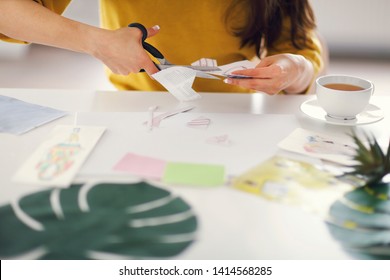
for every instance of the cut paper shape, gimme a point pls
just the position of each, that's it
(157, 119)
(293, 182)
(178, 81)
(193, 174)
(18, 117)
(200, 122)
(209, 62)
(143, 166)
(317, 145)
(220, 140)
(97, 221)
(227, 69)
(56, 161)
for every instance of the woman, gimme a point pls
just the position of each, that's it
(281, 32)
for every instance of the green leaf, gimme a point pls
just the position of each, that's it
(97, 221)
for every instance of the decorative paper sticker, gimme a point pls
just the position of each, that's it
(143, 166)
(292, 182)
(200, 122)
(18, 117)
(97, 221)
(335, 149)
(56, 161)
(220, 140)
(193, 174)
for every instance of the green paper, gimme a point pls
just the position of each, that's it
(121, 221)
(194, 174)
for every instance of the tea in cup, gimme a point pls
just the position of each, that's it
(343, 97)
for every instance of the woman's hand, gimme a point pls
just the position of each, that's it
(121, 50)
(282, 72)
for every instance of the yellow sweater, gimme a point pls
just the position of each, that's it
(190, 30)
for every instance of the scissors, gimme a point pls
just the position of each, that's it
(164, 63)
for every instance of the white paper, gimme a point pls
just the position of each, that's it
(178, 81)
(227, 69)
(56, 161)
(18, 117)
(335, 149)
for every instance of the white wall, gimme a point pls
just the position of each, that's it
(355, 27)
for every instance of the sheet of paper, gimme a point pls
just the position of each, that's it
(194, 174)
(18, 117)
(178, 81)
(56, 161)
(227, 69)
(293, 182)
(143, 166)
(326, 147)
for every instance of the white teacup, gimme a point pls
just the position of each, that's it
(343, 97)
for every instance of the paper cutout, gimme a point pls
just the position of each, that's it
(178, 81)
(98, 221)
(18, 117)
(157, 119)
(335, 149)
(205, 62)
(143, 166)
(220, 140)
(227, 69)
(293, 182)
(193, 174)
(200, 122)
(56, 161)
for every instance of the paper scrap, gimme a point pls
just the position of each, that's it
(200, 122)
(178, 81)
(335, 149)
(56, 161)
(194, 174)
(227, 69)
(143, 166)
(155, 122)
(220, 140)
(18, 117)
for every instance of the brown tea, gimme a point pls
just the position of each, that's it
(346, 87)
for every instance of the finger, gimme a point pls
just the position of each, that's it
(267, 72)
(265, 85)
(153, 30)
(149, 66)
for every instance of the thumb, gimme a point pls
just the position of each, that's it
(153, 31)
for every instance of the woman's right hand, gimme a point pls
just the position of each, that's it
(121, 50)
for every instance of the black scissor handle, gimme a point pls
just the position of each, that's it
(148, 47)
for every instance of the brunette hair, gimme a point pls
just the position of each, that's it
(263, 19)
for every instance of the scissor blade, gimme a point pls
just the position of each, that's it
(198, 68)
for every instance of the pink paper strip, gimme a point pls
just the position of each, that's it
(143, 166)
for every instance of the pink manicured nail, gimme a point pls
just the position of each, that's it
(156, 27)
(227, 81)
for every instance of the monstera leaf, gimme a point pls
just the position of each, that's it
(97, 221)
(360, 220)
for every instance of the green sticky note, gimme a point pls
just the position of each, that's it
(194, 174)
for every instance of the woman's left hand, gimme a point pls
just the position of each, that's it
(282, 72)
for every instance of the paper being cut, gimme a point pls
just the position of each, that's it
(56, 161)
(178, 80)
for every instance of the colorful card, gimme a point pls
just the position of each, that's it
(56, 161)
(194, 174)
(143, 166)
(326, 147)
(293, 182)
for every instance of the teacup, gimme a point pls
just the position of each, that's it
(343, 97)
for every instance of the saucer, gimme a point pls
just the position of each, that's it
(371, 114)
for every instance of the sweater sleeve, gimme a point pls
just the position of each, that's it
(311, 52)
(57, 6)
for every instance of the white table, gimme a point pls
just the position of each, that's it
(232, 224)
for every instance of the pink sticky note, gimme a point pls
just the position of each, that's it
(142, 166)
